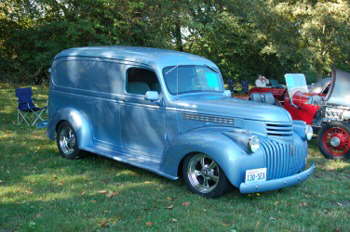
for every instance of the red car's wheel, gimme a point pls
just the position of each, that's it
(334, 141)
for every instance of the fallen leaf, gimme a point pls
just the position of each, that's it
(112, 194)
(168, 198)
(303, 204)
(170, 207)
(103, 191)
(82, 193)
(28, 192)
(339, 204)
(149, 223)
(186, 203)
(103, 223)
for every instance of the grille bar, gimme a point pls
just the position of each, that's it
(284, 130)
(282, 159)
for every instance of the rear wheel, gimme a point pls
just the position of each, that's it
(334, 140)
(204, 176)
(67, 141)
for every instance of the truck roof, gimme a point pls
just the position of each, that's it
(155, 57)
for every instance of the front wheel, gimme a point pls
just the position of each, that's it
(67, 141)
(204, 176)
(334, 140)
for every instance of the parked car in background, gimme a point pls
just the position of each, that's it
(324, 105)
(168, 112)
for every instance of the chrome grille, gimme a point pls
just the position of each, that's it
(282, 159)
(208, 118)
(274, 129)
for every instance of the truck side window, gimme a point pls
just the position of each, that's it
(92, 75)
(140, 80)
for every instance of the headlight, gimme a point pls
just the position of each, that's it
(253, 143)
(309, 132)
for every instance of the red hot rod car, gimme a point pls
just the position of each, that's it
(326, 108)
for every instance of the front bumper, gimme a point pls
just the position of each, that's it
(276, 183)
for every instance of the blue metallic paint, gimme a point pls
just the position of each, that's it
(210, 141)
(158, 135)
(77, 119)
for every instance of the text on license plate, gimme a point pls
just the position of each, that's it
(255, 175)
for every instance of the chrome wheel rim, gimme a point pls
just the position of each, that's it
(203, 173)
(67, 141)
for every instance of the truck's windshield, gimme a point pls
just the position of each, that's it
(192, 78)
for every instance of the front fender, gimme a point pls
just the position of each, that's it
(79, 122)
(299, 128)
(231, 157)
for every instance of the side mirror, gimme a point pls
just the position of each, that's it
(152, 95)
(227, 93)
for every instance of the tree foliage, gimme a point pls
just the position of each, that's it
(243, 37)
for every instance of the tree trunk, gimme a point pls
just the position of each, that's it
(178, 35)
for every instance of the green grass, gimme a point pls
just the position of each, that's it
(41, 191)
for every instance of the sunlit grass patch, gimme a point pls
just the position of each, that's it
(336, 165)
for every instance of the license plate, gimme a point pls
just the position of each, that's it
(255, 175)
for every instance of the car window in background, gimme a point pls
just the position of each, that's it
(192, 78)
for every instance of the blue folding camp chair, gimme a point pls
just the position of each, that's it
(27, 111)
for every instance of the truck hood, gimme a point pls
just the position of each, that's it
(233, 107)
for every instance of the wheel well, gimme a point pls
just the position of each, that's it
(58, 124)
(179, 169)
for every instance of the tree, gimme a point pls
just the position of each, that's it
(244, 38)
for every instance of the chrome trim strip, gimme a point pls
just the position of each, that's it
(208, 118)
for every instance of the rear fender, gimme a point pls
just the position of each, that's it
(78, 120)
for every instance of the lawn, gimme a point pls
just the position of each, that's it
(41, 191)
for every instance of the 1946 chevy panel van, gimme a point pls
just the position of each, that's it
(168, 112)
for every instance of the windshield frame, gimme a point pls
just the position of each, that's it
(174, 67)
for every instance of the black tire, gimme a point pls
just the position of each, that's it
(68, 149)
(329, 131)
(197, 184)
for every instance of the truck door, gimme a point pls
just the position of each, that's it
(142, 121)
